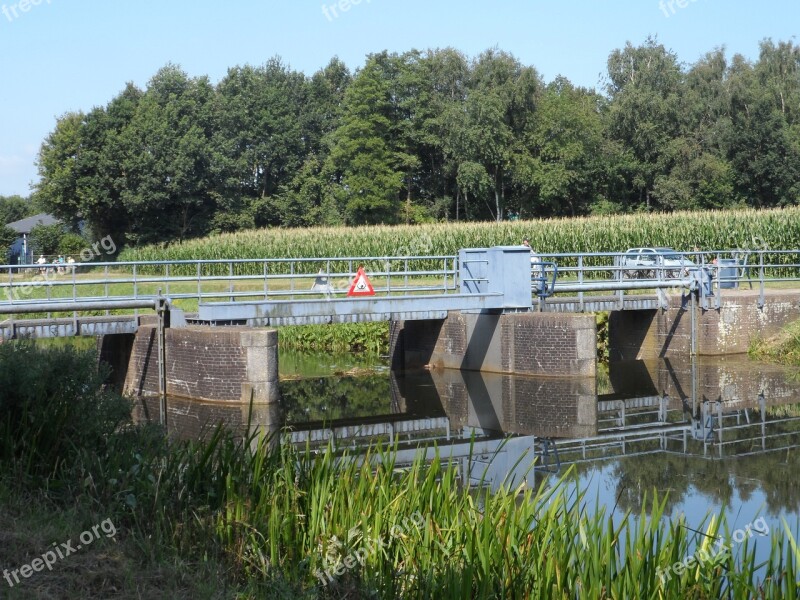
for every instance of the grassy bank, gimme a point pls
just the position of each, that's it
(272, 521)
(369, 338)
(683, 230)
(783, 348)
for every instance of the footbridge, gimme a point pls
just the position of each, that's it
(315, 290)
(498, 309)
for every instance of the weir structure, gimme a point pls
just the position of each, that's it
(486, 309)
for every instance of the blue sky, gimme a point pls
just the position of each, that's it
(66, 55)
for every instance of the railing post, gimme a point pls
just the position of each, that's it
(199, 284)
(694, 322)
(761, 299)
(580, 280)
(230, 281)
(162, 313)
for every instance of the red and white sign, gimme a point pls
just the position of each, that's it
(361, 285)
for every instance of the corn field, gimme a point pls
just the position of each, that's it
(746, 229)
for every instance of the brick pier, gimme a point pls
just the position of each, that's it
(554, 344)
(231, 364)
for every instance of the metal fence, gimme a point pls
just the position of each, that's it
(190, 282)
(208, 280)
(709, 272)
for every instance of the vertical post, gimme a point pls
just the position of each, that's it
(761, 279)
(230, 281)
(10, 291)
(693, 336)
(580, 280)
(199, 284)
(162, 313)
(694, 396)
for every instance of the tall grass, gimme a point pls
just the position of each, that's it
(370, 338)
(287, 515)
(277, 516)
(783, 347)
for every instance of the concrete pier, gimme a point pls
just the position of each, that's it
(550, 344)
(729, 329)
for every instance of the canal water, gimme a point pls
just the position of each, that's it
(711, 434)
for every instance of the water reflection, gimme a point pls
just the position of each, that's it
(713, 433)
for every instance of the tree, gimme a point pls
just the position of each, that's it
(14, 208)
(564, 143)
(167, 157)
(361, 158)
(7, 237)
(59, 170)
(645, 89)
(46, 239)
(258, 141)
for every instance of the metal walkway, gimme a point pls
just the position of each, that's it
(314, 290)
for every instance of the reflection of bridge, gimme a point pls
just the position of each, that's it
(494, 426)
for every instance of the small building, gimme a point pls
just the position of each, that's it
(21, 252)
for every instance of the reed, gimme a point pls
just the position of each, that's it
(295, 523)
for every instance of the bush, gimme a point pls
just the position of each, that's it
(53, 407)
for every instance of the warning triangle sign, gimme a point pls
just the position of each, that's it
(361, 285)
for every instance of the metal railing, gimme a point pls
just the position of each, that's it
(710, 273)
(205, 280)
(187, 282)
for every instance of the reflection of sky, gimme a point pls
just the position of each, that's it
(601, 484)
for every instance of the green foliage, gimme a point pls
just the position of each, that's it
(419, 135)
(7, 237)
(372, 338)
(783, 348)
(46, 239)
(14, 208)
(53, 408)
(71, 244)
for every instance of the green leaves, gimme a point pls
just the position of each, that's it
(420, 136)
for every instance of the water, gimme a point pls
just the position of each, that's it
(713, 434)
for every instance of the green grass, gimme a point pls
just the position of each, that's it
(369, 338)
(261, 520)
(783, 348)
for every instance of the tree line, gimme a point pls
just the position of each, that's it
(426, 136)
